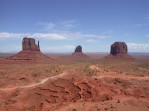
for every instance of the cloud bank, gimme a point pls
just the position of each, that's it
(53, 36)
(138, 47)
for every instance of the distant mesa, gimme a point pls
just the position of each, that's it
(78, 53)
(30, 51)
(119, 50)
(78, 49)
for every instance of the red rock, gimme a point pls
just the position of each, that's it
(78, 53)
(118, 48)
(118, 51)
(30, 51)
(29, 44)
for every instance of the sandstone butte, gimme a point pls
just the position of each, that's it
(119, 50)
(30, 51)
(78, 53)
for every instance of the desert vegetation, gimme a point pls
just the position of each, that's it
(91, 84)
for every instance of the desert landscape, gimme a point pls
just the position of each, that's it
(33, 81)
(74, 55)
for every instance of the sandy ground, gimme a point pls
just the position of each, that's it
(75, 85)
(35, 84)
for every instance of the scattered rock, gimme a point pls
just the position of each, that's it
(118, 101)
(74, 110)
(22, 78)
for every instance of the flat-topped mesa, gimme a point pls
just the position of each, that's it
(118, 48)
(29, 44)
(78, 48)
(119, 51)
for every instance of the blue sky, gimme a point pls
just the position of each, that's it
(61, 25)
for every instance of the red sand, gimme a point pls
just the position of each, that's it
(108, 91)
(57, 93)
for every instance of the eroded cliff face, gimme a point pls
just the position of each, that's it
(118, 48)
(29, 44)
(118, 51)
(30, 51)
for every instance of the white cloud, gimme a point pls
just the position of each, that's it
(62, 30)
(63, 48)
(69, 23)
(59, 26)
(79, 35)
(138, 46)
(97, 38)
(7, 35)
(91, 40)
(50, 25)
(52, 36)
(47, 26)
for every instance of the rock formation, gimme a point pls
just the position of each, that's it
(119, 50)
(29, 44)
(78, 49)
(30, 51)
(78, 53)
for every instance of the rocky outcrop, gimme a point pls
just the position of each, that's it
(30, 51)
(118, 48)
(29, 44)
(78, 49)
(78, 53)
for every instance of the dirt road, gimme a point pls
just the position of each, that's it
(35, 84)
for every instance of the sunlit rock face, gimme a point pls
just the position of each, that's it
(29, 44)
(30, 51)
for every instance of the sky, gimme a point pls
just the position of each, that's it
(61, 25)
